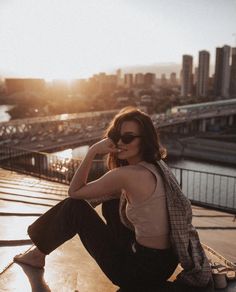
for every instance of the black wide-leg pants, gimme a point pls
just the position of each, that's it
(110, 243)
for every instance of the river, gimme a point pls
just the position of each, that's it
(213, 167)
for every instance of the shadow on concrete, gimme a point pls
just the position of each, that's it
(168, 287)
(215, 216)
(37, 282)
(216, 227)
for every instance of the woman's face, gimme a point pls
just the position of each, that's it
(131, 151)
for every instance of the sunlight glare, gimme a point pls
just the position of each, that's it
(76, 38)
(65, 154)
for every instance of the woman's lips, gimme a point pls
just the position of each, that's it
(121, 150)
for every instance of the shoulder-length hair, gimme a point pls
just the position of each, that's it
(151, 148)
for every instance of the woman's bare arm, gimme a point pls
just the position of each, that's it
(107, 184)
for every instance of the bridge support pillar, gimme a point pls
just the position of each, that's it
(186, 130)
(231, 120)
(202, 125)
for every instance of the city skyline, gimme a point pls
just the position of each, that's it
(77, 39)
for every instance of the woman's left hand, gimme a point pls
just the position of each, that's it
(104, 146)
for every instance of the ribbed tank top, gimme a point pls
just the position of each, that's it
(150, 217)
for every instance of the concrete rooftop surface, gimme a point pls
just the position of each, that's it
(70, 268)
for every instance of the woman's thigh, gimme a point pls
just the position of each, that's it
(147, 269)
(123, 235)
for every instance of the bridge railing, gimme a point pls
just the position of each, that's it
(202, 188)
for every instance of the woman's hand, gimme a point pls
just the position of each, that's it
(104, 146)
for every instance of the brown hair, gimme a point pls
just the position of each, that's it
(151, 149)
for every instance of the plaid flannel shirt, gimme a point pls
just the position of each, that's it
(184, 237)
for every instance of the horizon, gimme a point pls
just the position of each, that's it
(158, 69)
(54, 40)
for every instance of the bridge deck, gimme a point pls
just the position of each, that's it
(70, 268)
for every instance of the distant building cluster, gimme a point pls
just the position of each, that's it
(221, 84)
(191, 82)
(15, 85)
(103, 82)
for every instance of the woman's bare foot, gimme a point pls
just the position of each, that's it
(33, 257)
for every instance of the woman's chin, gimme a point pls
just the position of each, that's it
(122, 155)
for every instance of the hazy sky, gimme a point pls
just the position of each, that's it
(76, 38)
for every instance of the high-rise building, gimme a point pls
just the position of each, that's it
(128, 79)
(187, 76)
(222, 72)
(232, 87)
(118, 73)
(173, 79)
(195, 76)
(203, 73)
(149, 79)
(218, 72)
(163, 80)
(139, 79)
(119, 77)
(103, 82)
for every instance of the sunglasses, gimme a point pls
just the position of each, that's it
(126, 138)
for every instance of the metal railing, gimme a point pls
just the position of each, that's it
(207, 188)
(45, 165)
(202, 188)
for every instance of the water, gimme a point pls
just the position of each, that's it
(213, 167)
(76, 153)
(222, 169)
(4, 116)
(216, 187)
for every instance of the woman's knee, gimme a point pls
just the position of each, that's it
(75, 204)
(110, 208)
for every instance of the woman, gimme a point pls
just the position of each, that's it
(135, 247)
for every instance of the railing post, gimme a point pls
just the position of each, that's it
(181, 178)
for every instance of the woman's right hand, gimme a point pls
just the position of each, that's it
(104, 146)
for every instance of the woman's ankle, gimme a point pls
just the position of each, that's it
(38, 252)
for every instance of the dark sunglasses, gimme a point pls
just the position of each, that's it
(126, 138)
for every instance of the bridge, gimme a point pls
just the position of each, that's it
(199, 122)
(55, 132)
(59, 132)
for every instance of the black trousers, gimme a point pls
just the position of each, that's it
(110, 243)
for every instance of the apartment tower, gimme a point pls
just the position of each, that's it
(203, 73)
(232, 87)
(222, 72)
(187, 76)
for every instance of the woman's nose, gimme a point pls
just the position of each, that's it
(119, 142)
